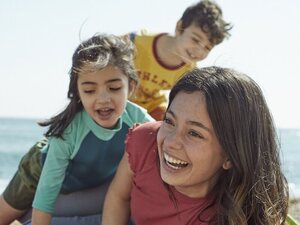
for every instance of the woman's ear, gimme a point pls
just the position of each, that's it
(178, 30)
(132, 87)
(227, 164)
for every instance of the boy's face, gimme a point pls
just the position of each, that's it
(103, 94)
(192, 43)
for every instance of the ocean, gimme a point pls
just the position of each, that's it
(18, 135)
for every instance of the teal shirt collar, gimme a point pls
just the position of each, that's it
(101, 132)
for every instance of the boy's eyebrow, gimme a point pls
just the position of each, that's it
(195, 123)
(198, 35)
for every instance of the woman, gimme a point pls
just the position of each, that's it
(213, 160)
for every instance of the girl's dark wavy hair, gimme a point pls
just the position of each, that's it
(254, 190)
(209, 17)
(96, 52)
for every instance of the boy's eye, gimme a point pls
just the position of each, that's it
(196, 40)
(207, 48)
(203, 46)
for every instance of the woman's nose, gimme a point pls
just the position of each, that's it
(174, 140)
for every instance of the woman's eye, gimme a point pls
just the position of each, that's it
(195, 134)
(168, 121)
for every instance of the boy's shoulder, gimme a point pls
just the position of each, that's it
(142, 33)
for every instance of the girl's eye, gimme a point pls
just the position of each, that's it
(89, 91)
(115, 88)
(195, 134)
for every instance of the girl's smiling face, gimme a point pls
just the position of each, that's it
(104, 94)
(191, 157)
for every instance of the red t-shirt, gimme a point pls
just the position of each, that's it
(150, 201)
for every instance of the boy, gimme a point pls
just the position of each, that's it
(162, 58)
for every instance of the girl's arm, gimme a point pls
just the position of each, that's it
(117, 201)
(39, 217)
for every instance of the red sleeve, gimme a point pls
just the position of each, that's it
(141, 145)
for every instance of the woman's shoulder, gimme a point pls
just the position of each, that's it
(141, 145)
(142, 136)
(146, 130)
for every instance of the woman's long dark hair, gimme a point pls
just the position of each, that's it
(254, 190)
(97, 52)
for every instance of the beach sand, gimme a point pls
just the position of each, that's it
(294, 209)
(15, 223)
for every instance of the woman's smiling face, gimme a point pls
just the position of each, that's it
(191, 157)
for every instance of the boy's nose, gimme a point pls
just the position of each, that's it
(200, 52)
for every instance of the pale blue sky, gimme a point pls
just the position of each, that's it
(38, 39)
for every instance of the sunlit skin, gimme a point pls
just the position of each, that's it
(192, 43)
(191, 157)
(104, 94)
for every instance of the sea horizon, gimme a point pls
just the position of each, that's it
(18, 134)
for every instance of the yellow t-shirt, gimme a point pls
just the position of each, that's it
(154, 77)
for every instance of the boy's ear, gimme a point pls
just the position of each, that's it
(178, 29)
(227, 164)
(132, 87)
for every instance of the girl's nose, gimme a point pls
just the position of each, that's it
(103, 97)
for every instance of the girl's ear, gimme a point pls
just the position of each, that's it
(132, 86)
(227, 164)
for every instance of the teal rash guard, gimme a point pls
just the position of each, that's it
(87, 155)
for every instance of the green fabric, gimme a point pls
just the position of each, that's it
(25, 180)
(291, 221)
(61, 151)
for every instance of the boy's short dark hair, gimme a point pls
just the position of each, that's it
(208, 16)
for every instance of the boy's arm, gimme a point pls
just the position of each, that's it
(117, 201)
(39, 217)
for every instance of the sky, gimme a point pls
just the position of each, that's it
(39, 37)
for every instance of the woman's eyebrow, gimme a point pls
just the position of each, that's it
(201, 125)
(195, 123)
(87, 82)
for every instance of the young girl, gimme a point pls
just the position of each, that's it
(214, 159)
(86, 140)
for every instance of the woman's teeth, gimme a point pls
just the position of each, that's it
(174, 163)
